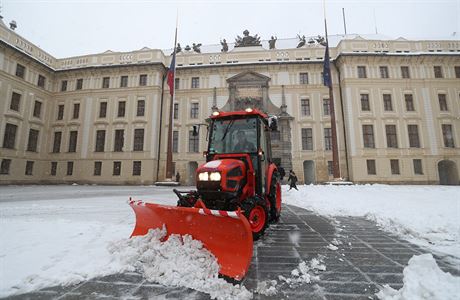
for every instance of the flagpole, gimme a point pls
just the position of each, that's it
(335, 152)
(169, 156)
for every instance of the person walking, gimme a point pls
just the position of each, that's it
(292, 179)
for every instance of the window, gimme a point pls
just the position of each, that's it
(9, 137)
(69, 168)
(457, 71)
(384, 72)
(5, 167)
(330, 168)
(326, 107)
(193, 142)
(60, 115)
(394, 165)
(20, 71)
(63, 85)
(418, 170)
(194, 111)
(41, 81)
(409, 102)
(143, 80)
(76, 110)
(438, 72)
(73, 141)
(176, 83)
(124, 81)
(116, 168)
(365, 106)
(362, 72)
(79, 84)
(140, 108)
(327, 138)
(175, 141)
(137, 167)
(57, 142)
(100, 141)
(121, 109)
(176, 111)
(102, 109)
(53, 170)
(15, 101)
(307, 139)
(29, 167)
(387, 105)
(138, 139)
(37, 109)
(392, 140)
(371, 170)
(119, 140)
(33, 139)
(105, 82)
(448, 136)
(368, 136)
(305, 107)
(97, 168)
(405, 72)
(303, 78)
(442, 102)
(414, 141)
(195, 82)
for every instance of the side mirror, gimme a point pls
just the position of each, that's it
(196, 130)
(273, 123)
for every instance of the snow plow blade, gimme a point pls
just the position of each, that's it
(227, 235)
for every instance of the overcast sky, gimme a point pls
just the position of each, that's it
(78, 27)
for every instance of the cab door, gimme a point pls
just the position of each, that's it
(264, 158)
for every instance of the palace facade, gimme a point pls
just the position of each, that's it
(103, 118)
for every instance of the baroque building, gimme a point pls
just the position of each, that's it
(103, 118)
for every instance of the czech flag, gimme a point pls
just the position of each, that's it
(327, 68)
(171, 74)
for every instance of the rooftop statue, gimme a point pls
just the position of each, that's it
(224, 46)
(272, 42)
(302, 41)
(187, 48)
(247, 40)
(196, 48)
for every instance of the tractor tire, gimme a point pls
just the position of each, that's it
(274, 214)
(256, 211)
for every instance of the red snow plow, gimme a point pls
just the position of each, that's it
(238, 193)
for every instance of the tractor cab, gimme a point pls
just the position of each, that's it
(238, 134)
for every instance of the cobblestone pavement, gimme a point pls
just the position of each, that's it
(367, 259)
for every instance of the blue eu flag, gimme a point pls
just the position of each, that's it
(327, 68)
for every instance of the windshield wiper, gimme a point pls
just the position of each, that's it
(228, 128)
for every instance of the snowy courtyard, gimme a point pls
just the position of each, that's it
(65, 235)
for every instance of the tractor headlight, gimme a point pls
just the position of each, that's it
(204, 176)
(214, 176)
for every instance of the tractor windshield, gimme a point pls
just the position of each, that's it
(233, 136)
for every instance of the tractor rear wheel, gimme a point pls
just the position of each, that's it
(275, 199)
(255, 210)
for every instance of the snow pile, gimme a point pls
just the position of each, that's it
(267, 288)
(332, 247)
(178, 261)
(423, 279)
(304, 273)
(426, 215)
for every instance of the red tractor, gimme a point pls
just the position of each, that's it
(238, 192)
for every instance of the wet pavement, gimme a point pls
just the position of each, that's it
(366, 259)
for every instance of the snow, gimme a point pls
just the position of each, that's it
(61, 235)
(423, 279)
(425, 215)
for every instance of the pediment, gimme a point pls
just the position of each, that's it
(248, 76)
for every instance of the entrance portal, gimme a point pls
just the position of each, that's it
(309, 171)
(448, 173)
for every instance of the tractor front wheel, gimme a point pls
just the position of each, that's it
(255, 210)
